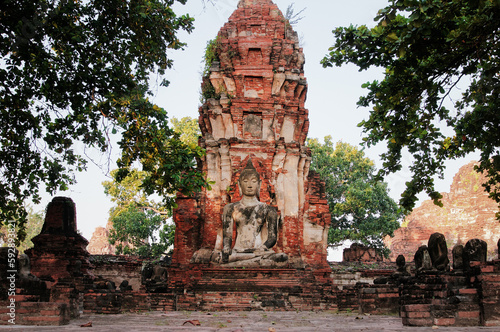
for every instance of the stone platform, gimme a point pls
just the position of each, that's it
(214, 288)
(251, 321)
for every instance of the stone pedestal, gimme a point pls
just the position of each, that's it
(442, 299)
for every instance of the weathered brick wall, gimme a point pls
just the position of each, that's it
(188, 228)
(35, 313)
(441, 299)
(211, 288)
(378, 299)
(489, 289)
(360, 253)
(116, 302)
(118, 268)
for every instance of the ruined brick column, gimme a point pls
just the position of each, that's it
(59, 252)
(255, 92)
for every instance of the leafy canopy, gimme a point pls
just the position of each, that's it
(187, 128)
(361, 208)
(140, 224)
(76, 72)
(135, 232)
(34, 226)
(433, 51)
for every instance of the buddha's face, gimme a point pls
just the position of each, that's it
(250, 185)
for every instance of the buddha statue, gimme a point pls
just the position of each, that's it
(256, 229)
(256, 226)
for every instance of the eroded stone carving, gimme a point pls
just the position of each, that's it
(422, 259)
(475, 250)
(26, 278)
(401, 264)
(253, 125)
(438, 250)
(498, 248)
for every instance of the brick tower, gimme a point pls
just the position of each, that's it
(254, 93)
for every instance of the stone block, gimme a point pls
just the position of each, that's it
(444, 321)
(417, 321)
(468, 314)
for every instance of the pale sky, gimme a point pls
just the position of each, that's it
(331, 99)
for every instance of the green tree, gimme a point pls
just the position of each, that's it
(134, 232)
(432, 51)
(188, 129)
(141, 225)
(361, 208)
(34, 226)
(76, 72)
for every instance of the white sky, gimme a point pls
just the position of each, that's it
(331, 99)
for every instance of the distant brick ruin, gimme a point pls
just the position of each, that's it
(99, 242)
(467, 213)
(361, 253)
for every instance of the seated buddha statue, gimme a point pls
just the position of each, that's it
(256, 226)
(256, 230)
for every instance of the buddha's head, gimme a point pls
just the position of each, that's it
(249, 180)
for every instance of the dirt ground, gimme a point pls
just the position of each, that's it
(253, 321)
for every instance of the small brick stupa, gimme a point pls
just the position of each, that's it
(254, 109)
(59, 251)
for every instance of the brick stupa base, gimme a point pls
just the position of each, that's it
(216, 288)
(59, 263)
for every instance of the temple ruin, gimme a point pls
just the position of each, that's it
(257, 240)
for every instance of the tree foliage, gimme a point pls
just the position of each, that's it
(141, 224)
(433, 51)
(71, 74)
(188, 129)
(361, 208)
(34, 226)
(141, 232)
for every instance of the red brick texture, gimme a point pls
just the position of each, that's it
(440, 299)
(36, 313)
